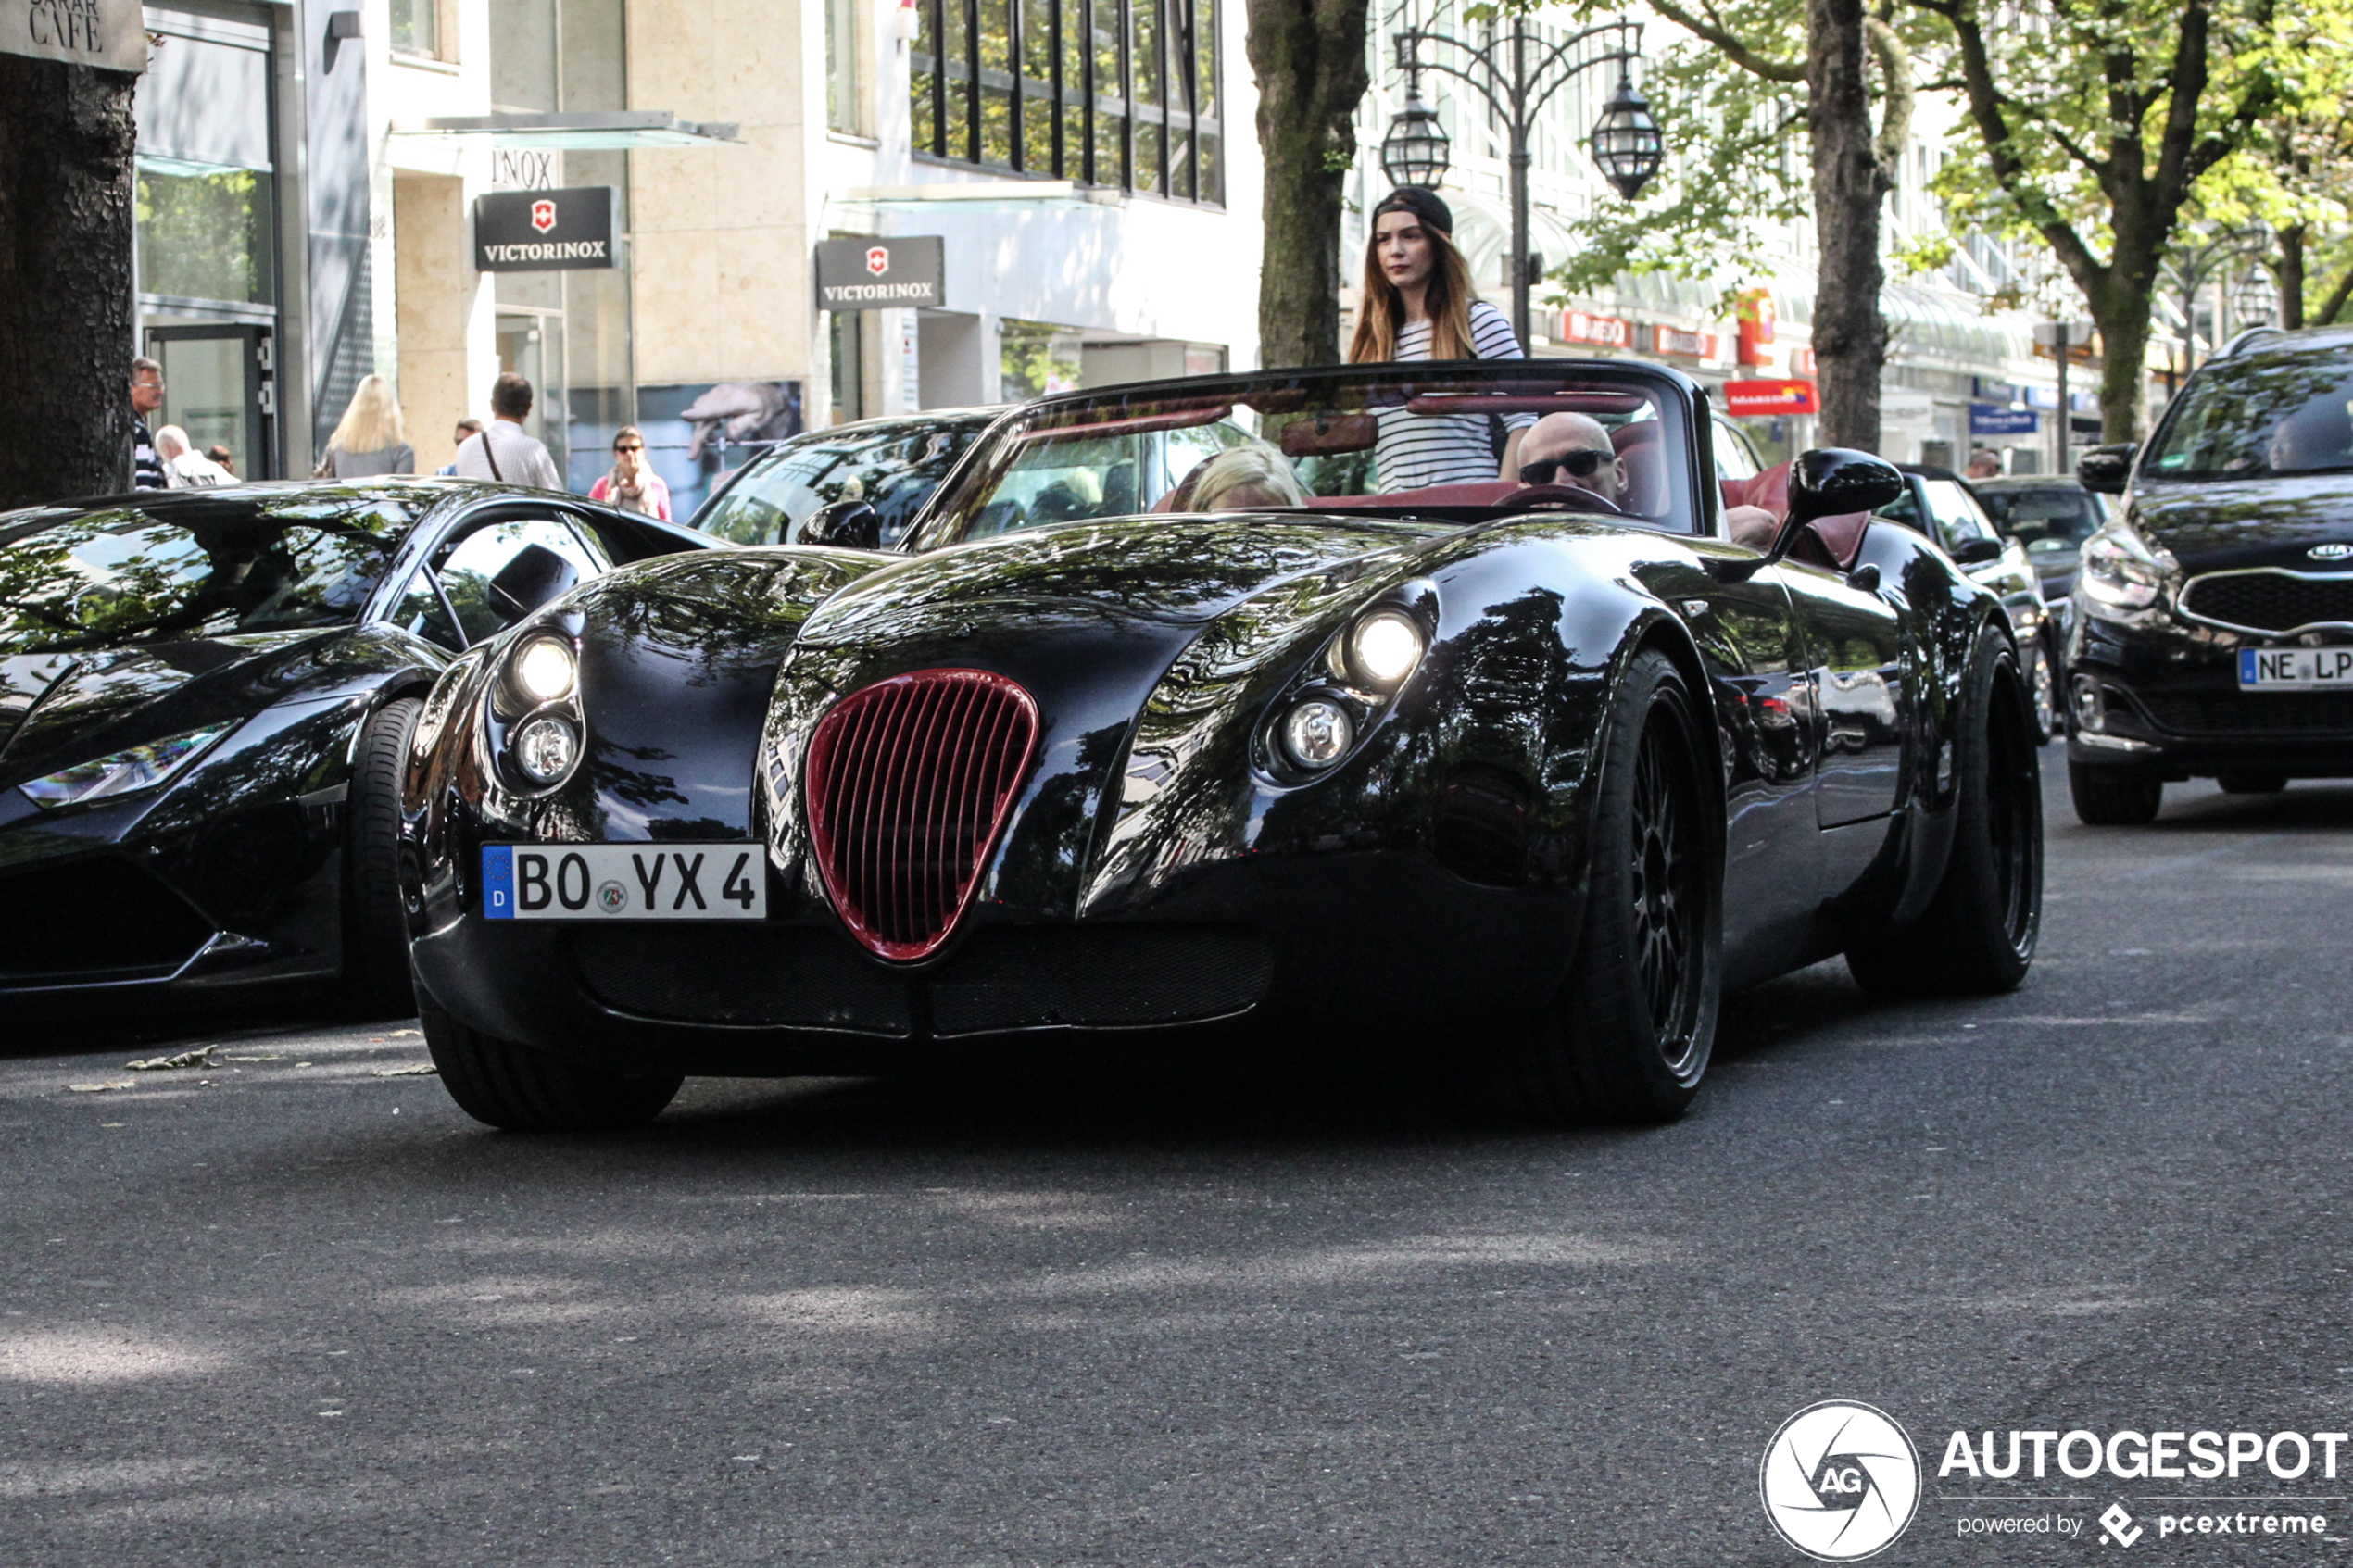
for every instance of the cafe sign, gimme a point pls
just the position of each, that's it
(110, 34)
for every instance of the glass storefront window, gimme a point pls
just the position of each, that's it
(416, 26)
(204, 233)
(841, 65)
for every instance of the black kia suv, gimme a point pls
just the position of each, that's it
(2212, 632)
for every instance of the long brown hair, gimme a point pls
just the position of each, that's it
(1380, 309)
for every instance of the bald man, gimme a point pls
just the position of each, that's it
(1574, 450)
(1561, 445)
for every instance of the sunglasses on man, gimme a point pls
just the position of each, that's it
(629, 446)
(1580, 463)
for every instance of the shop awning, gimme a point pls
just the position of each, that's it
(584, 131)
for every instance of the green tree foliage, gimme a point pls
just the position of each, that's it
(2093, 123)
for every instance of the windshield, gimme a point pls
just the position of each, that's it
(894, 470)
(1416, 440)
(191, 569)
(2282, 413)
(2049, 521)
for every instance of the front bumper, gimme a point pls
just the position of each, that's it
(1326, 952)
(2162, 697)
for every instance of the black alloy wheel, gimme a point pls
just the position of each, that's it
(1629, 1037)
(2113, 797)
(375, 918)
(511, 1086)
(1978, 933)
(2042, 686)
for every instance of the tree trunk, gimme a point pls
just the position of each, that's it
(1308, 56)
(65, 310)
(1850, 335)
(2122, 317)
(2292, 276)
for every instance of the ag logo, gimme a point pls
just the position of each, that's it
(2331, 552)
(543, 215)
(878, 260)
(1840, 1481)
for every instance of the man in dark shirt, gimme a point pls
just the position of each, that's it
(146, 396)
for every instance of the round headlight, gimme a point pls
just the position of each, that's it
(545, 749)
(546, 670)
(1384, 648)
(1318, 732)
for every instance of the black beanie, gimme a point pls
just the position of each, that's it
(1422, 203)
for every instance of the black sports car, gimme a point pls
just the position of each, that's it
(2213, 634)
(205, 696)
(1557, 759)
(892, 465)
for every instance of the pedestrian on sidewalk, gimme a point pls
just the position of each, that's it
(466, 427)
(146, 396)
(633, 486)
(1984, 464)
(501, 452)
(1419, 304)
(226, 458)
(371, 440)
(184, 467)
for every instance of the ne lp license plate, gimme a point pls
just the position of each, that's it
(623, 881)
(2296, 670)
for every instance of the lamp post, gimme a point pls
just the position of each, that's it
(2255, 303)
(1518, 74)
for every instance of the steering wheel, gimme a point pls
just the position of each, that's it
(1560, 498)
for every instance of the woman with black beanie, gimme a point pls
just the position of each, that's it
(1417, 303)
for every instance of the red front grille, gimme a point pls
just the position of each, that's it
(908, 782)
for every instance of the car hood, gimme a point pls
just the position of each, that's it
(2275, 521)
(1092, 620)
(60, 708)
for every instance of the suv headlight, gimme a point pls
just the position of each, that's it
(123, 772)
(2122, 574)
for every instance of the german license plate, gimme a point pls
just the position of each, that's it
(623, 881)
(2294, 670)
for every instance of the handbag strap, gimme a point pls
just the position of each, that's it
(491, 452)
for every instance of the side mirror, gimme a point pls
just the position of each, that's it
(536, 576)
(2104, 471)
(1831, 481)
(1977, 552)
(850, 525)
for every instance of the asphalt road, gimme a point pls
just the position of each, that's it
(295, 1308)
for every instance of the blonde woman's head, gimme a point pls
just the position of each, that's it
(1244, 477)
(371, 423)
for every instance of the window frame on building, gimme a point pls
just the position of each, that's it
(1143, 113)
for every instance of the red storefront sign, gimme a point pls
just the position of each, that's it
(1675, 340)
(1755, 313)
(1770, 397)
(1607, 331)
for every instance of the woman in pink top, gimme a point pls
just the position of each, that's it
(632, 485)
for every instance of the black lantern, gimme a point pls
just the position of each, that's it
(1414, 153)
(1627, 144)
(2255, 303)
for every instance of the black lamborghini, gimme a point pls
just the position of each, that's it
(1390, 746)
(205, 696)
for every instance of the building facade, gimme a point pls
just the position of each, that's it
(320, 184)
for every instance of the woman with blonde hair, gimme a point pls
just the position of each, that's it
(371, 440)
(1239, 479)
(1417, 303)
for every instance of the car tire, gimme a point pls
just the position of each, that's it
(375, 919)
(1977, 935)
(2112, 797)
(2252, 784)
(2042, 690)
(520, 1090)
(1628, 1039)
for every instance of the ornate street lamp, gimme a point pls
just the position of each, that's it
(1627, 144)
(2255, 303)
(1415, 151)
(1518, 73)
